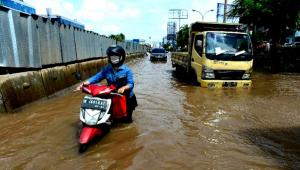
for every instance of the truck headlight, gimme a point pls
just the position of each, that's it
(208, 73)
(246, 76)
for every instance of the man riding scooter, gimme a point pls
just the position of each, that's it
(118, 74)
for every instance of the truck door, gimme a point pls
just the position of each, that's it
(197, 53)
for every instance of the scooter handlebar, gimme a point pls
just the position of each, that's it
(95, 90)
(118, 94)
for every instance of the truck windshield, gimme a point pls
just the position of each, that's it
(228, 46)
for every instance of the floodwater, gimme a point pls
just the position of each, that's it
(177, 125)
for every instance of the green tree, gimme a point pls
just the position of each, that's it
(183, 37)
(118, 37)
(279, 17)
(298, 22)
(274, 15)
(168, 47)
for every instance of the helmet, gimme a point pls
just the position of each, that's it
(116, 55)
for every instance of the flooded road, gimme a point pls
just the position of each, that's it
(177, 125)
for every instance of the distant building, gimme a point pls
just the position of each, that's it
(18, 6)
(66, 21)
(165, 40)
(137, 41)
(142, 41)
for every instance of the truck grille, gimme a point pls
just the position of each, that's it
(228, 74)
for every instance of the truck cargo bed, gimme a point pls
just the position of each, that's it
(180, 59)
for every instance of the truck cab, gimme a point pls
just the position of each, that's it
(221, 55)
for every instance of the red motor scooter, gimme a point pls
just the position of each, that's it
(98, 109)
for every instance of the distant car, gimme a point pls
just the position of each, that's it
(158, 54)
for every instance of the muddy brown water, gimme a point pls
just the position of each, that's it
(177, 125)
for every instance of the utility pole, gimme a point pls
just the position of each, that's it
(225, 11)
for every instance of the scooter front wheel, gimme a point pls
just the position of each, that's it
(82, 148)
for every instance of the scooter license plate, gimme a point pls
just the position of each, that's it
(94, 103)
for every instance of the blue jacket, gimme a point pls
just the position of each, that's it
(121, 77)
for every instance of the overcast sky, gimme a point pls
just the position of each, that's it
(139, 19)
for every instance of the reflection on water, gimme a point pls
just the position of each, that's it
(177, 125)
(281, 145)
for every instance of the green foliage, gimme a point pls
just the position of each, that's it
(275, 15)
(183, 37)
(270, 20)
(298, 22)
(168, 47)
(118, 37)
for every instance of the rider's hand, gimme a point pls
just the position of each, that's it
(122, 89)
(82, 84)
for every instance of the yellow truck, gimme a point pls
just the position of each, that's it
(220, 55)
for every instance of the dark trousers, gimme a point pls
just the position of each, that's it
(131, 103)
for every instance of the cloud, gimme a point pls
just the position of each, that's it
(58, 7)
(134, 18)
(111, 29)
(97, 10)
(100, 10)
(204, 8)
(67, 6)
(86, 10)
(130, 12)
(89, 27)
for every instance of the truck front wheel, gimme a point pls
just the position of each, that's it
(193, 77)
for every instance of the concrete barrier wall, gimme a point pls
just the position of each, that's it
(21, 35)
(67, 43)
(49, 43)
(32, 41)
(6, 49)
(53, 79)
(19, 89)
(80, 44)
(70, 74)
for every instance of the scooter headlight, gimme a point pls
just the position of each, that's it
(90, 116)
